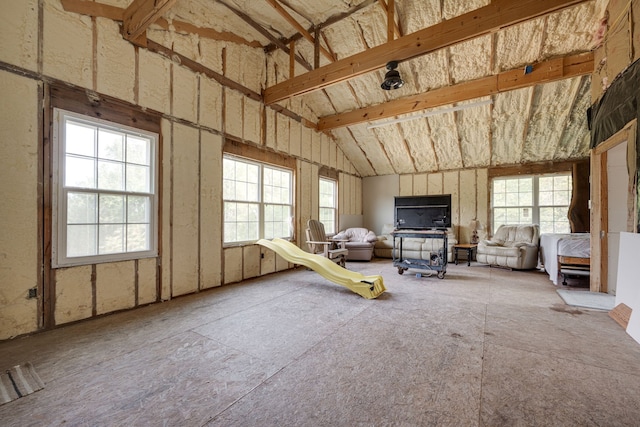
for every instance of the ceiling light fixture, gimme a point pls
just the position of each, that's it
(392, 79)
(431, 113)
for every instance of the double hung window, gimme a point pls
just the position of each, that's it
(104, 191)
(258, 200)
(328, 204)
(539, 199)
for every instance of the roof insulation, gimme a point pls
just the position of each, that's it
(544, 122)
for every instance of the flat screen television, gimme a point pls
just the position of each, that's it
(423, 212)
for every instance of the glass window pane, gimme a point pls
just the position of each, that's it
(499, 199)
(545, 198)
(253, 174)
(230, 211)
(111, 209)
(511, 186)
(561, 182)
(110, 175)
(138, 150)
(138, 209)
(138, 237)
(81, 240)
(561, 198)
(82, 208)
(499, 186)
(110, 145)
(228, 189)
(230, 232)
(80, 139)
(512, 199)
(138, 179)
(111, 238)
(525, 199)
(525, 185)
(545, 183)
(80, 172)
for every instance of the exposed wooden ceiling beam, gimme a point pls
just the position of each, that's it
(543, 72)
(142, 13)
(291, 20)
(259, 28)
(496, 15)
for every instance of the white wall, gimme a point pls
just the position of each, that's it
(617, 180)
(468, 189)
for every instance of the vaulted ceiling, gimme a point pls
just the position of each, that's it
(495, 82)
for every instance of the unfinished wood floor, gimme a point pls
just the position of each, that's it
(483, 347)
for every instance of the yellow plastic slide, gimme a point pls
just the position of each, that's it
(367, 286)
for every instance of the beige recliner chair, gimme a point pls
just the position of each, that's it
(513, 246)
(359, 243)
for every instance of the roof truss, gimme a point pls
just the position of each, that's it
(498, 14)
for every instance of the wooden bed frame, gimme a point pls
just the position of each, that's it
(573, 266)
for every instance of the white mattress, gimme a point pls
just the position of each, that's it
(567, 244)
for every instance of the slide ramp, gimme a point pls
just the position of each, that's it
(366, 286)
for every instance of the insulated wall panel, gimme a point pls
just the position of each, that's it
(252, 125)
(185, 192)
(116, 62)
(185, 94)
(115, 286)
(233, 112)
(251, 261)
(167, 165)
(210, 103)
(67, 54)
(19, 33)
(232, 265)
(154, 81)
(74, 296)
(210, 210)
(147, 280)
(19, 207)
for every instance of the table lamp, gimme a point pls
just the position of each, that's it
(475, 226)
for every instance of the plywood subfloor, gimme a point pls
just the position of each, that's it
(482, 347)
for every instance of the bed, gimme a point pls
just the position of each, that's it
(566, 254)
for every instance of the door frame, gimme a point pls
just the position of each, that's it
(600, 202)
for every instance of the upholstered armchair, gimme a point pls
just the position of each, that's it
(359, 243)
(512, 246)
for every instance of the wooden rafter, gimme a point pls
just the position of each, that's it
(259, 28)
(493, 17)
(142, 13)
(91, 8)
(291, 20)
(392, 25)
(544, 72)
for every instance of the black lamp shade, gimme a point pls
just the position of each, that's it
(392, 79)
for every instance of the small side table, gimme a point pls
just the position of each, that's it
(469, 247)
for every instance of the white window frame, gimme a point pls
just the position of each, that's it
(260, 202)
(333, 207)
(60, 191)
(535, 205)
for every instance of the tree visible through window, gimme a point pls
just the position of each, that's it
(104, 191)
(542, 200)
(257, 201)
